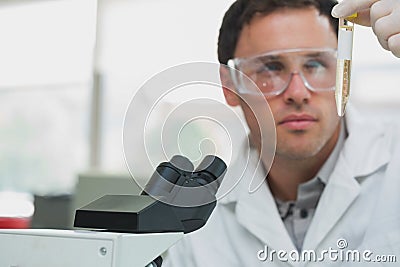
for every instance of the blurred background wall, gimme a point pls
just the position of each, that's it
(68, 69)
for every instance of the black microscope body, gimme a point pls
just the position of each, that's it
(176, 199)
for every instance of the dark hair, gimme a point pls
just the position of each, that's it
(241, 13)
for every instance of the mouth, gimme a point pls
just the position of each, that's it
(298, 121)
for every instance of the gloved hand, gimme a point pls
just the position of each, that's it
(382, 15)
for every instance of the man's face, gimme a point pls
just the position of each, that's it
(306, 121)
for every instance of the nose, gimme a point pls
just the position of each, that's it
(296, 91)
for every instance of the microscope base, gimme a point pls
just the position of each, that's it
(67, 248)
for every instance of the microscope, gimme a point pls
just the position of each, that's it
(125, 230)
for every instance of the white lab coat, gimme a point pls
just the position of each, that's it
(360, 203)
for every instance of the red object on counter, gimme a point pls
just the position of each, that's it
(14, 223)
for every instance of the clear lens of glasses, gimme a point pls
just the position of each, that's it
(272, 72)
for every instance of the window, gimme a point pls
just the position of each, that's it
(45, 84)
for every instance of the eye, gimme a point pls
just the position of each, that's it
(271, 66)
(314, 65)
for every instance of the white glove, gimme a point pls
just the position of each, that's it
(382, 15)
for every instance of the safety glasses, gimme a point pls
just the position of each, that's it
(273, 71)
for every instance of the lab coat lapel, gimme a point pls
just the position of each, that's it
(338, 195)
(257, 212)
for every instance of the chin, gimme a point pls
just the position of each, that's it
(299, 152)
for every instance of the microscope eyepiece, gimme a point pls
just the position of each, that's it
(178, 173)
(213, 165)
(182, 163)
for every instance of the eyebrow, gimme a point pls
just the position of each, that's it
(270, 57)
(314, 54)
(275, 57)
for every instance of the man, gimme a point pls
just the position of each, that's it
(333, 183)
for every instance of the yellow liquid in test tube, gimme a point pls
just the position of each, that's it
(343, 70)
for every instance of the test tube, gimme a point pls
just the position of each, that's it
(343, 69)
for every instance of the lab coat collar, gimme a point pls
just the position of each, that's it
(256, 211)
(366, 148)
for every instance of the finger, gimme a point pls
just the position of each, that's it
(380, 9)
(363, 18)
(348, 7)
(394, 44)
(384, 43)
(385, 27)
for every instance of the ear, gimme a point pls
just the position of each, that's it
(228, 87)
